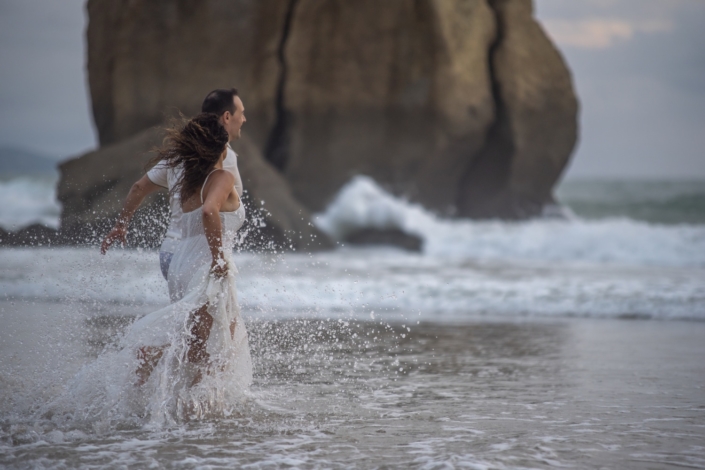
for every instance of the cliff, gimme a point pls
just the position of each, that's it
(462, 105)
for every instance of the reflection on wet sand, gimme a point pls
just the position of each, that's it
(337, 393)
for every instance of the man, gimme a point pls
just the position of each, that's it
(228, 106)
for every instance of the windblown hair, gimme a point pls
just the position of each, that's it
(195, 145)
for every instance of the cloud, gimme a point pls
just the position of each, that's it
(600, 33)
(638, 68)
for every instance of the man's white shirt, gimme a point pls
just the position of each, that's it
(167, 177)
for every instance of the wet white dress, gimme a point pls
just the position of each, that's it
(109, 387)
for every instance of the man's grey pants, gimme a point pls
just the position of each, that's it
(164, 262)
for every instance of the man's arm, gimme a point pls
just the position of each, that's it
(141, 189)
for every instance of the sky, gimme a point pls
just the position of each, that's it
(638, 67)
(639, 70)
(44, 103)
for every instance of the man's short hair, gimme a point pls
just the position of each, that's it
(218, 101)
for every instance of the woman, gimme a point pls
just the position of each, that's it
(201, 273)
(191, 358)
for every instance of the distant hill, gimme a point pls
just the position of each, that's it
(15, 162)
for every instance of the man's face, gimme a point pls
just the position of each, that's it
(232, 122)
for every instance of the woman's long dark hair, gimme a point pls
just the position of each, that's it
(195, 145)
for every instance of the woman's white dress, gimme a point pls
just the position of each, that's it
(109, 389)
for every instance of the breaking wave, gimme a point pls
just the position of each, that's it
(28, 200)
(362, 204)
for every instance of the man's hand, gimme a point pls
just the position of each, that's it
(138, 192)
(118, 233)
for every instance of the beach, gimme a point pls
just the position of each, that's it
(574, 341)
(526, 393)
(460, 235)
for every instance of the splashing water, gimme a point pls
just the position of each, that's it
(467, 354)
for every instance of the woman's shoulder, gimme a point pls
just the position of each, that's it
(219, 180)
(222, 176)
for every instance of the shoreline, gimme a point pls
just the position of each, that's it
(526, 392)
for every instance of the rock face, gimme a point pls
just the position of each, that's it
(397, 90)
(146, 57)
(536, 127)
(462, 105)
(390, 237)
(277, 220)
(93, 188)
(32, 235)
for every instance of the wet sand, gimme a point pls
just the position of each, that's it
(479, 394)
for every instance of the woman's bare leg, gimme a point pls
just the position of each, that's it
(200, 331)
(149, 357)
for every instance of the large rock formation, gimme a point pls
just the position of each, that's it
(535, 129)
(462, 105)
(397, 90)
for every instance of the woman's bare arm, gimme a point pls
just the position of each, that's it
(219, 188)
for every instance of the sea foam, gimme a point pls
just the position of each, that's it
(362, 203)
(613, 267)
(28, 200)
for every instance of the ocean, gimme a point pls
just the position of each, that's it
(27, 200)
(574, 339)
